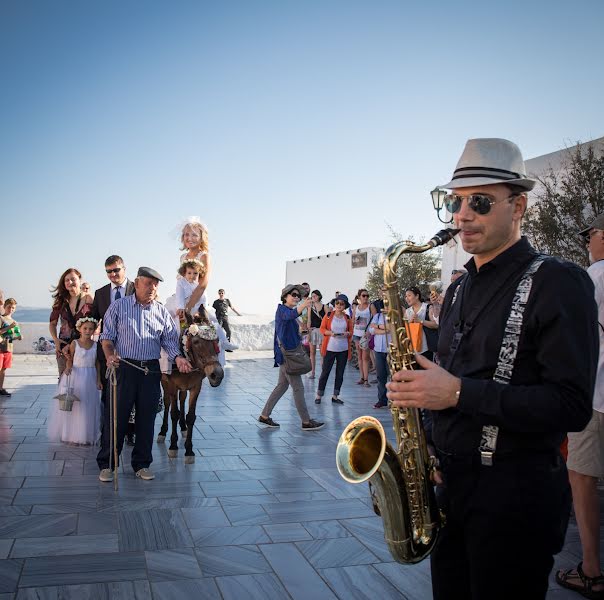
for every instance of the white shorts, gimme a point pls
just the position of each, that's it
(586, 448)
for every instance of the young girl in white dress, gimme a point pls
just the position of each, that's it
(82, 424)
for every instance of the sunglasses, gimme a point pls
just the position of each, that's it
(479, 203)
(113, 271)
(364, 295)
(295, 295)
(340, 303)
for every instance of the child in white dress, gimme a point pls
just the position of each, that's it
(190, 271)
(81, 425)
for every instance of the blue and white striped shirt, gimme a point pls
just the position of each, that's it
(139, 332)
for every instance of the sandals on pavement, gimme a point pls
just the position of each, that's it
(584, 585)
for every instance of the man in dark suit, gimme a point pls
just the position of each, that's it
(118, 287)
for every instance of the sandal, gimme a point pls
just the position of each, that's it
(360, 381)
(317, 400)
(585, 584)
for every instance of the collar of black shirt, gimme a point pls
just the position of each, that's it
(514, 254)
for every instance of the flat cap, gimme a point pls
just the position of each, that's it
(149, 272)
(597, 223)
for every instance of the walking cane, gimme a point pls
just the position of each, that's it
(113, 420)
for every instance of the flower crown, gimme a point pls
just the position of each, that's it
(83, 320)
(206, 332)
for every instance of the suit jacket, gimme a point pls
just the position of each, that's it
(100, 304)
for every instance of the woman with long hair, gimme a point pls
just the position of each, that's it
(69, 305)
(316, 313)
(361, 317)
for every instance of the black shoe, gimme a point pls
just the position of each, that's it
(228, 350)
(337, 400)
(317, 400)
(3, 392)
(268, 421)
(312, 425)
(130, 439)
(379, 405)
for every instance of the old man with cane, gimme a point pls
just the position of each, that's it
(135, 329)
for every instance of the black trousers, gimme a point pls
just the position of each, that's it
(504, 524)
(340, 359)
(224, 323)
(134, 388)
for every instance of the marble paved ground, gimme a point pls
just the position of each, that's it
(260, 514)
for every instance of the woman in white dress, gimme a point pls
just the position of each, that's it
(81, 378)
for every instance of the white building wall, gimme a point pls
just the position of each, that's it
(335, 271)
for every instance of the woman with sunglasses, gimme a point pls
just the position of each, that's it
(337, 333)
(361, 317)
(287, 336)
(315, 316)
(420, 312)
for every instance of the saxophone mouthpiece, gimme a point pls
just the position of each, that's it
(443, 236)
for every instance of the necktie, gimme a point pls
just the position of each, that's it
(118, 294)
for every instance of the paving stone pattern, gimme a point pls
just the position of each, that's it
(262, 513)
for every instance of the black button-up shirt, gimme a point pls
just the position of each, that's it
(553, 380)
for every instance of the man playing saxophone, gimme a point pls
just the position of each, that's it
(518, 351)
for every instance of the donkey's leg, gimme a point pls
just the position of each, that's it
(193, 394)
(167, 389)
(175, 414)
(182, 396)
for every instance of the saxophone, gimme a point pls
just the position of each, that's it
(399, 481)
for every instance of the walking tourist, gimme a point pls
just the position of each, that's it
(81, 378)
(69, 305)
(221, 307)
(502, 404)
(337, 331)
(287, 335)
(135, 329)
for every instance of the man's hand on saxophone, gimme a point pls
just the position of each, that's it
(432, 388)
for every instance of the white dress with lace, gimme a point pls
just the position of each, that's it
(82, 424)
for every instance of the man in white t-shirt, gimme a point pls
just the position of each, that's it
(586, 448)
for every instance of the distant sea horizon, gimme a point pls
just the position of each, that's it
(32, 314)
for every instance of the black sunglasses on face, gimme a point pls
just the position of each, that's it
(364, 295)
(295, 295)
(114, 271)
(479, 203)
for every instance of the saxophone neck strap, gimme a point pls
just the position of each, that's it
(508, 352)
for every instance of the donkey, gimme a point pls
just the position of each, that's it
(200, 344)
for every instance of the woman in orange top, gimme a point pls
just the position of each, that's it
(337, 329)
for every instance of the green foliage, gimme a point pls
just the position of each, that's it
(412, 270)
(565, 202)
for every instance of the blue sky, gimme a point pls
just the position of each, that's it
(292, 128)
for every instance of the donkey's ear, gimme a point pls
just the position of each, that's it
(188, 317)
(203, 314)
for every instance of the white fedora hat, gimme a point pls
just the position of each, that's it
(487, 161)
